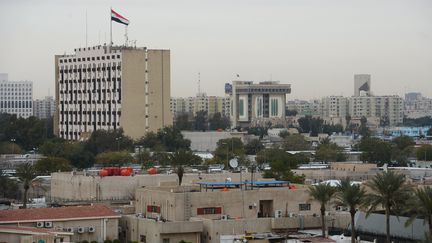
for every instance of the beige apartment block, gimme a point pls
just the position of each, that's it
(172, 214)
(183, 203)
(108, 88)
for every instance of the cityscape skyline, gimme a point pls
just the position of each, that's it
(304, 43)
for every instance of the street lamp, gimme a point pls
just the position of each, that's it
(13, 145)
(118, 143)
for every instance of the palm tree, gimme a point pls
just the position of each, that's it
(388, 192)
(352, 196)
(323, 194)
(421, 207)
(26, 173)
(181, 158)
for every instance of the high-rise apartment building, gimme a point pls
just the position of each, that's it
(44, 108)
(362, 84)
(257, 104)
(416, 106)
(104, 87)
(334, 106)
(389, 109)
(16, 97)
(201, 102)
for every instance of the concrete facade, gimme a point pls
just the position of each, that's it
(78, 187)
(44, 108)
(256, 104)
(16, 97)
(181, 204)
(108, 88)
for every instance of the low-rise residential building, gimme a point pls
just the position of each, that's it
(97, 222)
(172, 214)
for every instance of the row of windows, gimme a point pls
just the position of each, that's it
(16, 104)
(19, 85)
(108, 57)
(89, 69)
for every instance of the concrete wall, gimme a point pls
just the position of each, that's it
(136, 228)
(69, 187)
(213, 229)
(357, 167)
(110, 227)
(316, 176)
(234, 203)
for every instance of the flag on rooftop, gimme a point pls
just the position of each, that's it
(118, 18)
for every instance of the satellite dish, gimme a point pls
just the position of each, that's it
(233, 163)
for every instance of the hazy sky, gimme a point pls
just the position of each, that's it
(315, 45)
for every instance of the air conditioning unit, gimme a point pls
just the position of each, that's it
(70, 230)
(48, 224)
(278, 214)
(40, 224)
(224, 217)
(92, 229)
(327, 213)
(81, 230)
(291, 215)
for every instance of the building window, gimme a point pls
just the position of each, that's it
(166, 241)
(259, 107)
(304, 207)
(153, 209)
(274, 107)
(241, 107)
(209, 210)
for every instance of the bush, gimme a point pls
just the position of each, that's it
(84, 241)
(115, 241)
(108, 241)
(93, 241)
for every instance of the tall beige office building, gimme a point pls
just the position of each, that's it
(110, 88)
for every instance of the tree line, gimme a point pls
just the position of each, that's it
(201, 121)
(387, 191)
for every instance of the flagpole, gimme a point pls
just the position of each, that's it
(110, 44)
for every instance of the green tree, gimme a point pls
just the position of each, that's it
(166, 139)
(424, 152)
(322, 193)
(420, 206)
(108, 140)
(49, 165)
(418, 122)
(375, 151)
(8, 187)
(217, 121)
(181, 158)
(114, 158)
(182, 122)
(201, 120)
(388, 191)
(352, 196)
(253, 147)
(28, 133)
(311, 125)
(227, 149)
(329, 152)
(295, 142)
(281, 164)
(26, 173)
(364, 129)
(10, 148)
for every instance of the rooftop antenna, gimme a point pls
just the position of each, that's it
(126, 36)
(199, 83)
(86, 30)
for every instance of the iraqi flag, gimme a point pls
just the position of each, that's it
(118, 18)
